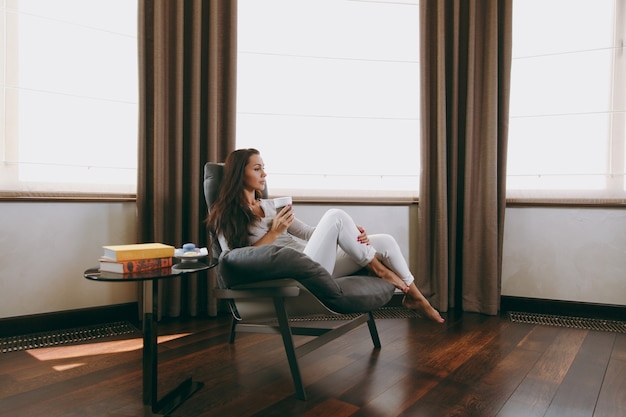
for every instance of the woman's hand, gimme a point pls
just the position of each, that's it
(362, 238)
(283, 220)
(280, 224)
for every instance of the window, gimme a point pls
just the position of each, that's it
(568, 89)
(68, 96)
(328, 91)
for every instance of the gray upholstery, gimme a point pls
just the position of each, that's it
(351, 294)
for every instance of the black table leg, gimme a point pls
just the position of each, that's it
(153, 406)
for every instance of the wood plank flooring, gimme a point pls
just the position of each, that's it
(473, 365)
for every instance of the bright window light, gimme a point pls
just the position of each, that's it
(328, 91)
(566, 135)
(70, 94)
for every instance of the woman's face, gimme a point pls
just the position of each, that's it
(254, 174)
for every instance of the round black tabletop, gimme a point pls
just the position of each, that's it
(179, 269)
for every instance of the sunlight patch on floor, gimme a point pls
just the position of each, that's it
(68, 366)
(98, 348)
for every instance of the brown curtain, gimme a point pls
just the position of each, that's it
(465, 76)
(187, 64)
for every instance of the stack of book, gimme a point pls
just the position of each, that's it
(125, 259)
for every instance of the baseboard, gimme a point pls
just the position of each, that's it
(545, 306)
(563, 308)
(36, 323)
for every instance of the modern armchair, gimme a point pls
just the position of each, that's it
(264, 286)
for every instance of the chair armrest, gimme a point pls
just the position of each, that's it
(267, 292)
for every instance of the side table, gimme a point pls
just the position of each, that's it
(152, 405)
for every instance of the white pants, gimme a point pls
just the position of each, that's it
(335, 246)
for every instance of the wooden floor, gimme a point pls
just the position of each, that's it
(474, 365)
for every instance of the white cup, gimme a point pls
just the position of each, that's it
(281, 202)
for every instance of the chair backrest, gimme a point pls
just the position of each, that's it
(213, 172)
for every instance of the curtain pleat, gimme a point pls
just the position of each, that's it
(465, 74)
(187, 61)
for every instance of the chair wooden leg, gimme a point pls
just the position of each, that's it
(371, 324)
(233, 331)
(285, 331)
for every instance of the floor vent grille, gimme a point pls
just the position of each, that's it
(66, 336)
(572, 322)
(381, 313)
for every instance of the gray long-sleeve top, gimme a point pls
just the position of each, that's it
(293, 237)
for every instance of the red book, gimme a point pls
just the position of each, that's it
(137, 265)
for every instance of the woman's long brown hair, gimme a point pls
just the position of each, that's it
(229, 213)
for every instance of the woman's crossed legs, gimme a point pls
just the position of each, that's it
(335, 246)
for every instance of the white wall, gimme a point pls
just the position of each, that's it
(47, 246)
(565, 254)
(392, 220)
(561, 254)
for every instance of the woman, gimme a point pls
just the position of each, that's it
(239, 218)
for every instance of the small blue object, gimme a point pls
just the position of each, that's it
(188, 247)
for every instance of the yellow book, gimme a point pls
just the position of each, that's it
(138, 251)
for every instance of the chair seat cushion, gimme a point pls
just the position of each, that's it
(350, 294)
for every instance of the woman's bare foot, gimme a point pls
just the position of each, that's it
(413, 300)
(423, 307)
(387, 274)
